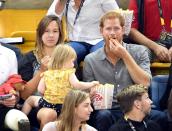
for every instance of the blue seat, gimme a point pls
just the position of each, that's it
(157, 90)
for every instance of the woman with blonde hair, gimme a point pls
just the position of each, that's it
(76, 111)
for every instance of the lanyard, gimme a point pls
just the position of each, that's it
(132, 126)
(161, 16)
(78, 12)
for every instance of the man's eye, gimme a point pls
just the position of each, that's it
(108, 28)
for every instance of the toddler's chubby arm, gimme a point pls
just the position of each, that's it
(81, 85)
(41, 86)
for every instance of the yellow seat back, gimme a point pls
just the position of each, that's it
(21, 23)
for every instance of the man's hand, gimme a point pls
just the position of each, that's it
(162, 53)
(95, 83)
(92, 93)
(117, 49)
(10, 102)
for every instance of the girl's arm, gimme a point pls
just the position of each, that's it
(41, 86)
(81, 85)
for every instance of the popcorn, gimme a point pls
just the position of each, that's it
(103, 97)
(128, 16)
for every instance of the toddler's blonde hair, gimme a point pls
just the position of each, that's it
(61, 54)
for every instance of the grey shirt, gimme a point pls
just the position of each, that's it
(97, 67)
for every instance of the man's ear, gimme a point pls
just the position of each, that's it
(137, 104)
(123, 30)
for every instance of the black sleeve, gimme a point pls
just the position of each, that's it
(114, 128)
(120, 125)
(25, 66)
(153, 126)
(119, 128)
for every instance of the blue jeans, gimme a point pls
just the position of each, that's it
(102, 120)
(83, 48)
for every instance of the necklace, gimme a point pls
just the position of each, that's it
(132, 126)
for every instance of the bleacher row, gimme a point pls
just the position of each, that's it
(23, 23)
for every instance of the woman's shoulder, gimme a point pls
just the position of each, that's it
(30, 53)
(26, 65)
(29, 56)
(51, 126)
(89, 128)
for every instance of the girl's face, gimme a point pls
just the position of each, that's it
(83, 110)
(69, 64)
(51, 35)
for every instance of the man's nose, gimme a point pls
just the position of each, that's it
(90, 109)
(112, 32)
(151, 101)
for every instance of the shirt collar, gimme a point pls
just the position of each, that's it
(102, 55)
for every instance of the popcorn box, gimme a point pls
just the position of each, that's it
(103, 97)
(128, 16)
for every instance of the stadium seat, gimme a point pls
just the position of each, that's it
(158, 68)
(157, 89)
(21, 23)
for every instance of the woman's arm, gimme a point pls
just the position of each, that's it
(41, 86)
(57, 7)
(31, 86)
